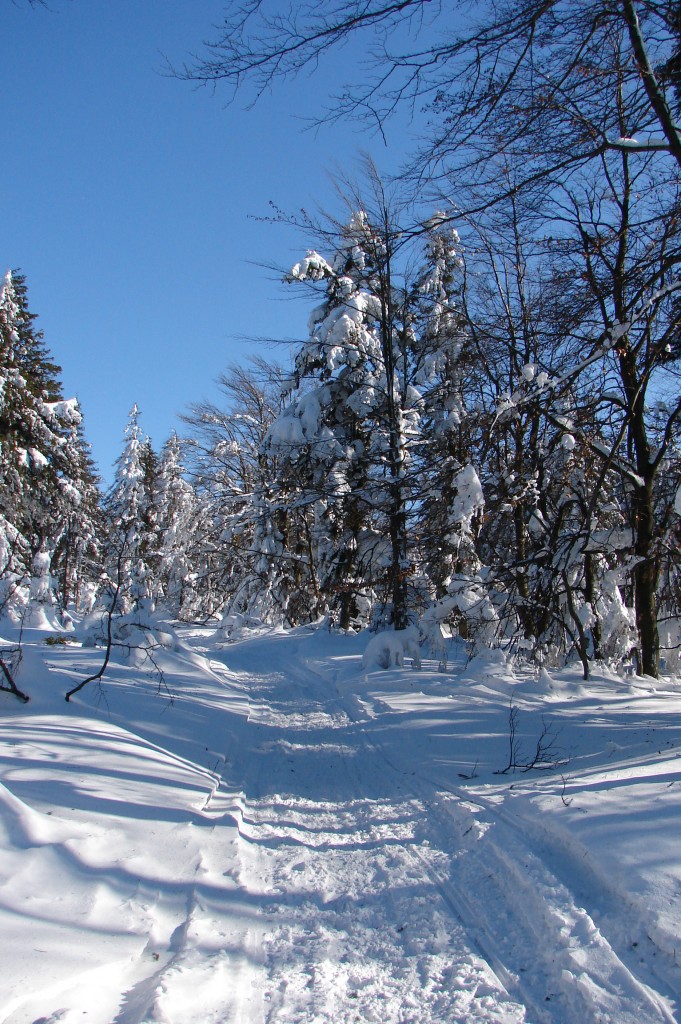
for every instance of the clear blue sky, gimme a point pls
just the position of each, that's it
(127, 197)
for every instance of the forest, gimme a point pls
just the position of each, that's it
(358, 697)
(479, 436)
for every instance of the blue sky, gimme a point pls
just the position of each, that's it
(129, 199)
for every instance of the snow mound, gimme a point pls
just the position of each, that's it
(389, 650)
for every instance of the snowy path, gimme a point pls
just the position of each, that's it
(386, 901)
(277, 848)
(338, 851)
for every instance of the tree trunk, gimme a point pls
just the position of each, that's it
(645, 581)
(398, 561)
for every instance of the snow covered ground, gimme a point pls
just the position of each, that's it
(295, 839)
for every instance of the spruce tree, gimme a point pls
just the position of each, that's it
(44, 480)
(127, 509)
(175, 511)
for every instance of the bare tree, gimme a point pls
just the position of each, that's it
(533, 79)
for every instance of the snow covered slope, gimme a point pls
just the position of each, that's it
(291, 838)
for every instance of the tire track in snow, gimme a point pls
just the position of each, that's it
(619, 919)
(527, 923)
(357, 930)
(356, 924)
(614, 963)
(544, 938)
(443, 876)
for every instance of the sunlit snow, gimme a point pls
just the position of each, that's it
(280, 832)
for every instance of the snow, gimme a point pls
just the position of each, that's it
(468, 500)
(295, 837)
(314, 267)
(389, 649)
(38, 460)
(66, 410)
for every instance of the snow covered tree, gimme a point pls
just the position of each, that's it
(149, 537)
(381, 353)
(46, 483)
(340, 437)
(235, 556)
(128, 513)
(322, 439)
(621, 234)
(580, 392)
(77, 556)
(446, 520)
(175, 508)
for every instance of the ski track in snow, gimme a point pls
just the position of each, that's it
(320, 880)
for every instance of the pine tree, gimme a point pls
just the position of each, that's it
(127, 510)
(43, 479)
(77, 560)
(322, 438)
(175, 506)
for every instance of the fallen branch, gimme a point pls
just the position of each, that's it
(109, 636)
(11, 685)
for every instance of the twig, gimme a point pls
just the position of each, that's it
(109, 635)
(546, 755)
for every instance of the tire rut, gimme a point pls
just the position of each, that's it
(545, 948)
